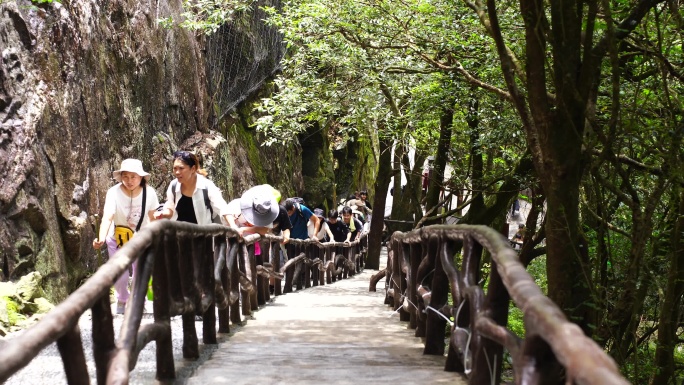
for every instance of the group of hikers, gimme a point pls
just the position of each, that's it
(191, 197)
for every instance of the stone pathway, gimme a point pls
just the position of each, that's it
(333, 334)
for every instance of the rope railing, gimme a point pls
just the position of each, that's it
(194, 269)
(423, 269)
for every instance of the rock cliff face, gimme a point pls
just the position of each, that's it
(83, 85)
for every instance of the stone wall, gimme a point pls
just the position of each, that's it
(83, 85)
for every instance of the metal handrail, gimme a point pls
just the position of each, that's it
(422, 269)
(198, 268)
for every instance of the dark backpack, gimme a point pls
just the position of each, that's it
(205, 192)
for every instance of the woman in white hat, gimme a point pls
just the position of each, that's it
(129, 205)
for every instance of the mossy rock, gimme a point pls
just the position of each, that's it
(41, 305)
(28, 286)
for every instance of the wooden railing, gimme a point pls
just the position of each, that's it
(426, 265)
(195, 269)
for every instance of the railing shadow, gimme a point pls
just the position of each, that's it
(423, 269)
(195, 269)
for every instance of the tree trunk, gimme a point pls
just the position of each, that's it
(379, 198)
(555, 130)
(476, 159)
(567, 267)
(436, 182)
(670, 306)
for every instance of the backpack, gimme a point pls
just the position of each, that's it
(205, 192)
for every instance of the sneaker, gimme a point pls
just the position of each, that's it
(120, 307)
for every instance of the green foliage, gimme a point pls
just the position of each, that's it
(516, 323)
(13, 311)
(206, 16)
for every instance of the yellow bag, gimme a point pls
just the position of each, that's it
(122, 234)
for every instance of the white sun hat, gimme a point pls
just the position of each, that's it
(131, 165)
(259, 205)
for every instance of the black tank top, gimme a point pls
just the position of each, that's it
(186, 210)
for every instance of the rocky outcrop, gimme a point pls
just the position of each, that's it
(22, 304)
(83, 85)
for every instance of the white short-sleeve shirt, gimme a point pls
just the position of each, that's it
(127, 211)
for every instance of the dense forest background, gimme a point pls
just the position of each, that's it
(578, 104)
(573, 106)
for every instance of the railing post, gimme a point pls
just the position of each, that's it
(172, 262)
(252, 275)
(71, 349)
(103, 336)
(338, 258)
(234, 273)
(398, 279)
(308, 273)
(289, 274)
(461, 310)
(321, 253)
(329, 257)
(299, 267)
(414, 255)
(439, 293)
(208, 298)
(364, 252)
(346, 250)
(315, 266)
(223, 314)
(243, 264)
(424, 270)
(262, 282)
(162, 288)
(185, 268)
(275, 260)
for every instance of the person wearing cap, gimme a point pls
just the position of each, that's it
(124, 209)
(192, 197)
(254, 212)
(324, 233)
(281, 225)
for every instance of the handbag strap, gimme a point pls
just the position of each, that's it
(142, 209)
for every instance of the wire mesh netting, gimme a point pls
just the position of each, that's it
(242, 55)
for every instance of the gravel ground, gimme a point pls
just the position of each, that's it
(48, 364)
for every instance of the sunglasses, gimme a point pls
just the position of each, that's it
(186, 156)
